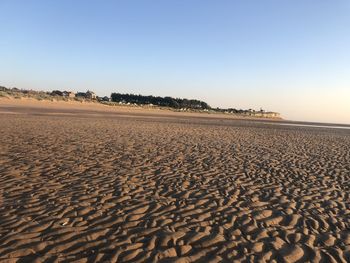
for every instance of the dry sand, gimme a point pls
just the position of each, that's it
(80, 184)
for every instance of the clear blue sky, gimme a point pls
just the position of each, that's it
(291, 56)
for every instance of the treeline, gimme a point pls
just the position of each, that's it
(176, 103)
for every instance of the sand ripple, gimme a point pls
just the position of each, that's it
(134, 190)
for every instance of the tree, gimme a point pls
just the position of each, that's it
(176, 103)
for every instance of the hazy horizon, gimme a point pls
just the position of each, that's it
(291, 57)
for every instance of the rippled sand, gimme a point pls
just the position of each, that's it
(89, 186)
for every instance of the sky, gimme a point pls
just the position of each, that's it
(290, 56)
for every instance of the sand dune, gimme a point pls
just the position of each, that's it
(93, 187)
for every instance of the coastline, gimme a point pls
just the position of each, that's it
(9, 102)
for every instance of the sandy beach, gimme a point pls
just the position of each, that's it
(92, 183)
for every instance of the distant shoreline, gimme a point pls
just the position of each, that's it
(10, 105)
(118, 99)
(31, 97)
(92, 106)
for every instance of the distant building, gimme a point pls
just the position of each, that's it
(80, 95)
(273, 114)
(57, 93)
(264, 114)
(105, 98)
(90, 95)
(68, 94)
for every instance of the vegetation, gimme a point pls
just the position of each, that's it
(17, 94)
(160, 101)
(131, 99)
(39, 95)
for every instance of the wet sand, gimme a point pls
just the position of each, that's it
(87, 184)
